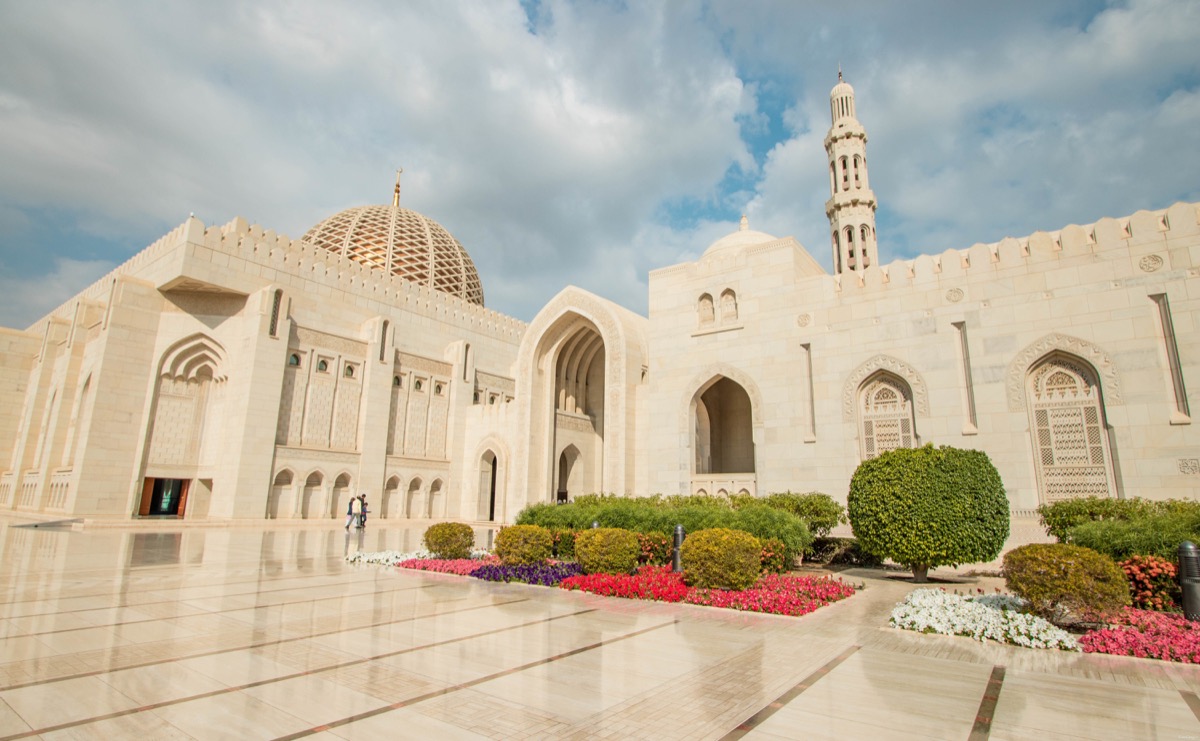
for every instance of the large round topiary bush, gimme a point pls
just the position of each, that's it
(607, 550)
(1063, 581)
(926, 507)
(721, 559)
(449, 540)
(523, 545)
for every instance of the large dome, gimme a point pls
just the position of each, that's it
(404, 243)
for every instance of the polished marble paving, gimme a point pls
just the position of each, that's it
(171, 630)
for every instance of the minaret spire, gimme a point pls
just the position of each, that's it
(851, 206)
(396, 192)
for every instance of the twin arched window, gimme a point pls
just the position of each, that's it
(706, 308)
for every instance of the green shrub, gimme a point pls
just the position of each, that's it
(819, 512)
(1060, 517)
(768, 523)
(520, 545)
(564, 543)
(607, 550)
(656, 548)
(842, 552)
(926, 507)
(721, 558)
(1065, 583)
(449, 540)
(773, 557)
(651, 515)
(1152, 535)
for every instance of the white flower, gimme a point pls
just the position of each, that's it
(390, 558)
(990, 617)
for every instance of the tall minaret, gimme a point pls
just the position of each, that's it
(851, 208)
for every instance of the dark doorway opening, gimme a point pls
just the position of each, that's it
(164, 497)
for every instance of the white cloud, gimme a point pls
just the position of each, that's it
(554, 156)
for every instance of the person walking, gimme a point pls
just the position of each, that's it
(362, 510)
(350, 513)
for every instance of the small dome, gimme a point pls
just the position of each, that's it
(743, 237)
(404, 243)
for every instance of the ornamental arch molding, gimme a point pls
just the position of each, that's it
(916, 384)
(710, 375)
(1100, 360)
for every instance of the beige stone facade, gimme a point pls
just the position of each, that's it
(228, 372)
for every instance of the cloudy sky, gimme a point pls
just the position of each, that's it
(577, 142)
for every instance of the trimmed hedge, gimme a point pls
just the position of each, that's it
(523, 545)
(652, 515)
(1063, 581)
(926, 507)
(449, 540)
(1060, 517)
(607, 550)
(820, 512)
(721, 558)
(1150, 535)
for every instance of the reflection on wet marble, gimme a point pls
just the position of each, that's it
(177, 630)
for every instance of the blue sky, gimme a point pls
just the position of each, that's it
(577, 142)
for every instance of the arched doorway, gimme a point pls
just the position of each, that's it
(340, 497)
(389, 497)
(312, 490)
(412, 501)
(436, 504)
(724, 429)
(279, 498)
(570, 474)
(723, 453)
(488, 468)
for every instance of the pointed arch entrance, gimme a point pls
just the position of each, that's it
(722, 424)
(489, 467)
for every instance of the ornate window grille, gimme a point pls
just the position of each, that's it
(885, 413)
(1067, 423)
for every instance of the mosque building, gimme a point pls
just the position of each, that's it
(230, 372)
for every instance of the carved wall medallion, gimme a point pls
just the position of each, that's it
(1189, 466)
(804, 320)
(1150, 263)
(954, 295)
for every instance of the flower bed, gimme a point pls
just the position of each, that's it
(460, 566)
(984, 618)
(545, 574)
(775, 593)
(1148, 635)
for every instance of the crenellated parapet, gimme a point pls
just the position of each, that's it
(1144, 237)
(269, 249)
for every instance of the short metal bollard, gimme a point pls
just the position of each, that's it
(595, 524)
(677, 546)
(1189, 579)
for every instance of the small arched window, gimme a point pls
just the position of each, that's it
(857, 177)
(438, 388)
(383, 341)
(417, 385)
(729, 308)
(294, 360)
(322, 366)
(396, 381)
(349, 371)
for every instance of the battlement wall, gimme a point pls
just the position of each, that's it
(1136, 236)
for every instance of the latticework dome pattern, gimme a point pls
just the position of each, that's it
(404, 243)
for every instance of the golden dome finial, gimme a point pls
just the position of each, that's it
(396, 192)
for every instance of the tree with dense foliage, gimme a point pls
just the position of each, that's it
(927, 507)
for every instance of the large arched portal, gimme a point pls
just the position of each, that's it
(723, 437)
(578, 411)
